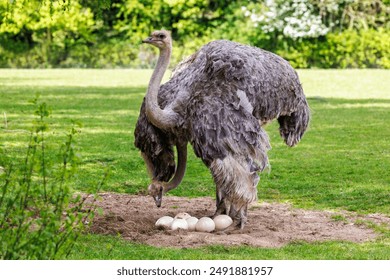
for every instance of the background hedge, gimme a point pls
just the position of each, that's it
(107, 34)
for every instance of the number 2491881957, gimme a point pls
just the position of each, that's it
(241, 270)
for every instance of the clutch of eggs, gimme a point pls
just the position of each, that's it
(184, 221)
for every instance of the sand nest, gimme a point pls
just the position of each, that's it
(269, 225)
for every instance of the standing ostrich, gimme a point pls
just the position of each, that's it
(218, 99)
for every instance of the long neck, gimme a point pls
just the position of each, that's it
(180, 170)
(163, 119)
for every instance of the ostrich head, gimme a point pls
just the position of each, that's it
(156, 190)
(160, 39)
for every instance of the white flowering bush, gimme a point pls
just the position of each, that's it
(294, 18)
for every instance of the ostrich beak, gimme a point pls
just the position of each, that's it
(158, 199)
(156, 191)
(147, 40)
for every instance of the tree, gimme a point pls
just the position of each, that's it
(48, 30)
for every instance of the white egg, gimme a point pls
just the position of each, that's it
(222, 222)
(164, 222)
(191, 221)
(179, 224)
(205, 224)
(182, 215)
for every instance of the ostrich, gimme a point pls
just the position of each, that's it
(218, 99)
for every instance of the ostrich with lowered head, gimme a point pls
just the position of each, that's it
(218, 99)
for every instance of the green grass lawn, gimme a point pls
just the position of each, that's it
(342, 163)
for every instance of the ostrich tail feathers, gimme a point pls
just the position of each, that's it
(293, 127)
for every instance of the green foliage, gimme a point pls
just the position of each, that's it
(107, 34)
(356, 49)
(41, 33)
(355, 14)
(40, 217)
(349, 49)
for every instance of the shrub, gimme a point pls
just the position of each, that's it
(349, 49)
(40, 217)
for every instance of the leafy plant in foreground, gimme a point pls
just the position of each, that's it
(40, 216)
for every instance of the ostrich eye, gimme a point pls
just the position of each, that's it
(161, 36)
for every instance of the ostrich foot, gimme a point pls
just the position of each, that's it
(239, 217)
(225, 207)
(222, 208)
(218, 212)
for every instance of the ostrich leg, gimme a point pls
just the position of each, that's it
(222, 205)
(236, 188)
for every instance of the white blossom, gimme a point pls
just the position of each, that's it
(295, 18)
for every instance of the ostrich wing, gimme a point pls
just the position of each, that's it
(155, 147)
(221, 128)
(270, 84)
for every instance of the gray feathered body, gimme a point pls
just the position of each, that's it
(224, 93)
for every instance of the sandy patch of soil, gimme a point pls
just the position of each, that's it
(269, 225)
